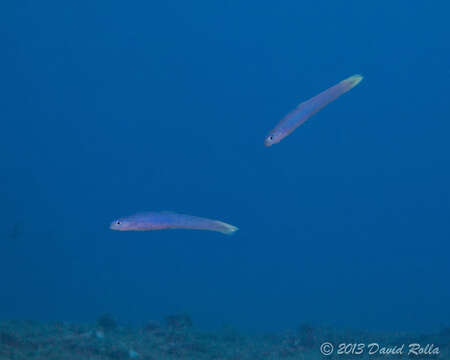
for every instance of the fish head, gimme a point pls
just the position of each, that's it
(271, 139)
(121, 225)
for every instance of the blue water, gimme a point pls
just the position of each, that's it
(110, 108)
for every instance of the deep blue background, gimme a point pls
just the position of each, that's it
(110, 108)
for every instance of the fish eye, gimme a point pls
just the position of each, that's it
(270, 137)
(118, 222)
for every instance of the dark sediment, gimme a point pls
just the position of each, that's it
(179, 339)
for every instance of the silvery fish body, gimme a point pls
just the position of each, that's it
(308, 108)
(169, 220)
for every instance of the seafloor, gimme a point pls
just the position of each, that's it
(178, 339)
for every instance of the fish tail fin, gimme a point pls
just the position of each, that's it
(227, 228)
(354, 80)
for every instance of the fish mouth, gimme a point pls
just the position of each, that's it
(270, 139)
(114, 226)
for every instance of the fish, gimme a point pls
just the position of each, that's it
(170, 220)
(308, 108)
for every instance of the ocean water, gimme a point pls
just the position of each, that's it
(111, 108)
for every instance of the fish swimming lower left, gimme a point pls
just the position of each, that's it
(308, 108)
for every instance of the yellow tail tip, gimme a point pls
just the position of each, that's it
(231, 230)
(227, 228)
(354, 80)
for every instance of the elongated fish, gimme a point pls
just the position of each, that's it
(169, 220)
(308, 108)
